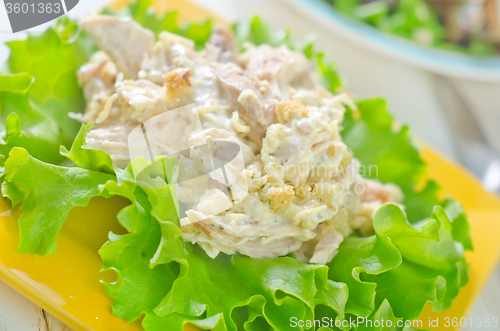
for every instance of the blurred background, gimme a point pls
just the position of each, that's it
(437, 62)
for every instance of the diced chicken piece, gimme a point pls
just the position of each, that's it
(170, 52)
(223, 40)
(242, 94)
(384, 193)
(214, 202)
(98, 75)
(328, 242)
(206, 91)
(215, 235)
(124, 40)
(174, 50)
(173, 53)
(280, 66)
(97, 79)
(257, 108)
(323, 248)
(141, 100)
(112, 140)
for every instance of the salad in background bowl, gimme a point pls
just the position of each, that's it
(471, 27)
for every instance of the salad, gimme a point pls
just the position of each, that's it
(318, 215)
(470, 27)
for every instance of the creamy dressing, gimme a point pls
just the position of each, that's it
(291, 188)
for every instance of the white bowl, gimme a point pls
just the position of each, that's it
(460, 89)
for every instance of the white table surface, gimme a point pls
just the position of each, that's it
(19, 314)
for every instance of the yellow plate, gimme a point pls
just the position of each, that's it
(67, 283)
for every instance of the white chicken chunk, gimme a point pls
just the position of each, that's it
(124, 40)
(170, 52)
(241, 93)
(140, 100)
(112, 140)
(214, 202)
(97, 78)
(223, 41)
(280, 66)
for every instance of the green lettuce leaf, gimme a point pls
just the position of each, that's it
(85, 157)
(164, 212)
(138, 288)
(371, 255)
(419, 203)
(141, 12)
(374, 142)
(433, 268)
(403, 265)
(23, 123)
(41, 88)
(48, 193)
(258, 32)
(387, 153)
(461, 227)
(384, 313)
